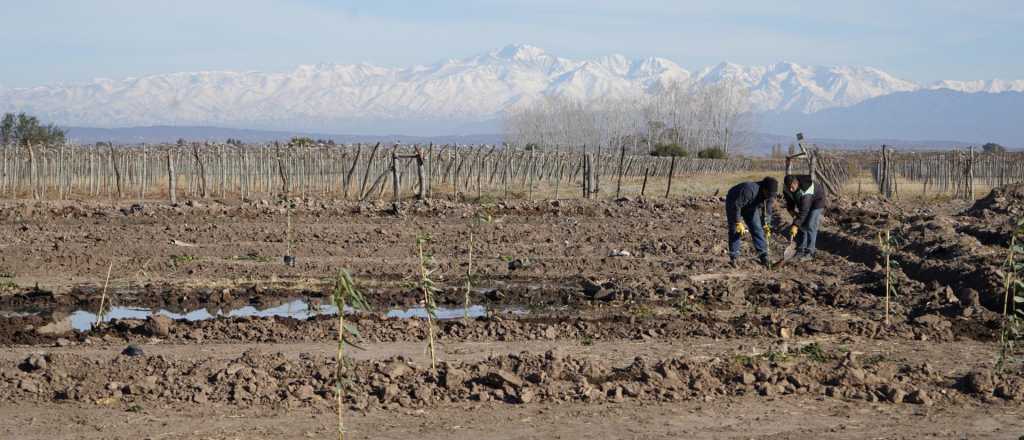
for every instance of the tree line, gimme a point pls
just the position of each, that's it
(678, 119)
(22, 130)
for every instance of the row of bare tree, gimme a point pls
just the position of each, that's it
(693, 117)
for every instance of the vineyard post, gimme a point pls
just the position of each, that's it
(171, 178)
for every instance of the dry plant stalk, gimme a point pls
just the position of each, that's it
(345, 293)
(427, 286)
(103, 297)
(886, 245)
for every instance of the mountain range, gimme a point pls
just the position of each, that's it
(449, 97)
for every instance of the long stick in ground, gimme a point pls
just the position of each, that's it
(103, 297)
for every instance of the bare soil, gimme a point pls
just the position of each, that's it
(615, 317)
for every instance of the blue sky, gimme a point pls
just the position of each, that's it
(47, 41)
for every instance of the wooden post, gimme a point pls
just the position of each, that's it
(622, 159)
(422, 193)
(172, 180)
(202, 170)
(529, 170)
(351, 170)
(586, 173)
(394, 180)
(366, 175)
(32, 171)
(970, 174)
(117, 170)
(671, 171)
(643, 188)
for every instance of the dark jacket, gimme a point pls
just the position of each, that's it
(806, 198)
(744, 197)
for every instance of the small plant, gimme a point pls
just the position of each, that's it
(744, 360)
(684, 306)
(7, 281)
(134, 409)
(887, 242)
(642, 311)
(871, 360)
(345, 294)
(428, 288)
(289, 258)
(586, 341)
(183, 259)
(814, 352)
(1013, 324)
(776, 356)
(7, 284)
(103, 295)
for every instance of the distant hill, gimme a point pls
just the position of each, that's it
(967, 118)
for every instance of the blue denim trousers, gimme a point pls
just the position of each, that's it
(807, 236)
(752, 218)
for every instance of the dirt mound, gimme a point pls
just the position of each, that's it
(1002, 200)
(263, 379)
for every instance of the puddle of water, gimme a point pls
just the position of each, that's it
(82, 320)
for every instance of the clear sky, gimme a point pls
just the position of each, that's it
(47, 41)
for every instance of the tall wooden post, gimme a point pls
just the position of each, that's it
(422, 193)
(622, 159)
(394, 180)
(172, 180)
(671, 171)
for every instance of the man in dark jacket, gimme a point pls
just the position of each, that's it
(806, 204)
(743, 210)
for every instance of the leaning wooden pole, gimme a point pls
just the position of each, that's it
(671, 171)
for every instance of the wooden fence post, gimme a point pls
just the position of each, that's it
(172, 179)
(671, 171)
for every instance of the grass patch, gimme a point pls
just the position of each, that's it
(874, 359)
(642, 311)
(744, 360)
(814, 352)
(685, 306)
(183, 259)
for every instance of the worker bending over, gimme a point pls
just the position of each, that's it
(746, 207)
(806, 204)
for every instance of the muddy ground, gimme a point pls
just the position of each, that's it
(616, 317)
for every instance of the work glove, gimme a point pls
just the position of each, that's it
(768, 232)
(792, 232)
(741, 228)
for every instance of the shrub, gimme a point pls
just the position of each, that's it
(668, 150)
(712, 153)
(992, 147)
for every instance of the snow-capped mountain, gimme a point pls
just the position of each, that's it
(791, 87)
(989, 86)
(479, 88)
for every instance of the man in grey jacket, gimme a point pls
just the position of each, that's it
(744, 206)
(805, 203)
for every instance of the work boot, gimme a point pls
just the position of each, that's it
(763, 260)
(734, 263)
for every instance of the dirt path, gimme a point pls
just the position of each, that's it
(782, 418)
